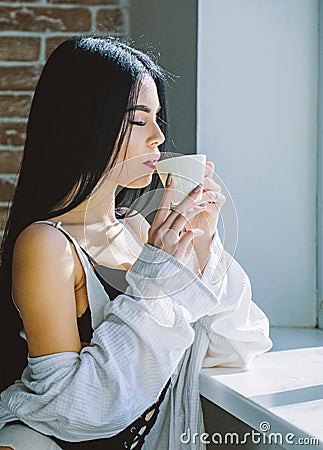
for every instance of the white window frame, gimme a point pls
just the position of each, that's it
(319, 177)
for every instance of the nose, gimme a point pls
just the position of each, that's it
(157, 136)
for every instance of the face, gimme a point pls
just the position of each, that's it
(136, 168)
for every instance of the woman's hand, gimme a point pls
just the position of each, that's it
(207, 219)
(166, 231)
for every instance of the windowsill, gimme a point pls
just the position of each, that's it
(282, 387)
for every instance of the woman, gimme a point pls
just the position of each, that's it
(108, 367)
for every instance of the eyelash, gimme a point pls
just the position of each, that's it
(141, 123)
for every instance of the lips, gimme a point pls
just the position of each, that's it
(151, 163)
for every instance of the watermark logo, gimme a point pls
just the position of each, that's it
(264, 436)
(264, 426)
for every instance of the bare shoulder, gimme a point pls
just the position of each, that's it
(39, 248)
(139, 225)
(43, 240)
(43, 280)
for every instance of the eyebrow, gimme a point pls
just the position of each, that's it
(144, 108)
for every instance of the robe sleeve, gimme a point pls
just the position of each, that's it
(239, 330)
(143, 335)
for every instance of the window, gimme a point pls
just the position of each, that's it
(257, 121)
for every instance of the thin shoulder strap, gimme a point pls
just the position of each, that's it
(92, 261)
(98, 297)
(58, 225)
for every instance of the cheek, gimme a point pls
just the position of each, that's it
(135, 146)
(124, 153)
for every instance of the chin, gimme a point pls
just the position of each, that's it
(141, 182)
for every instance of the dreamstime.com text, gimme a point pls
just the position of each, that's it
(254, 437)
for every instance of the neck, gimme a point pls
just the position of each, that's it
(99, 209)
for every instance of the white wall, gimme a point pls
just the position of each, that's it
(257, 121)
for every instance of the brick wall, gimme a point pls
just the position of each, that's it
(29, 31)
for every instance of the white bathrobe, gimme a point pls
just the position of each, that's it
(168, 323)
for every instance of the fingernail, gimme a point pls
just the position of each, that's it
(169, 179)
(197, 188)
(198, 232)
(201, 205)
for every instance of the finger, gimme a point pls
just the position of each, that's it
(210, 196)
(183, 219)
(184, 243)
(213, 197)
(209, 169)
(210, 185)
(187, 203)
(164, 206)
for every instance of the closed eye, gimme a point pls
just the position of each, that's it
(140, 123)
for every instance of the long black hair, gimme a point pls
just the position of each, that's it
(78, 109)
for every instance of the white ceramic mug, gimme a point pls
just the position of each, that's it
(187, 171)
